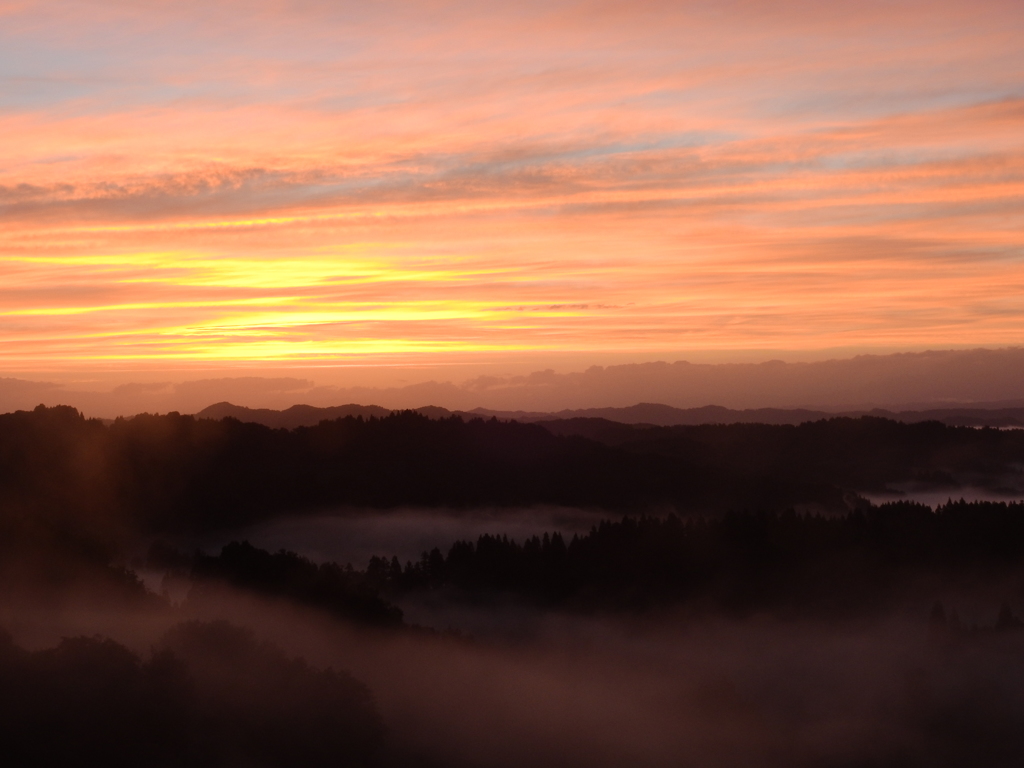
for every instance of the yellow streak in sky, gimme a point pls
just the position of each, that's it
(283, 301)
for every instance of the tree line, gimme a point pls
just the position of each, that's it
(210, 695)
(179, 473)
(741, 562)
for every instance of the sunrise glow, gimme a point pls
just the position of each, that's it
(311, 182)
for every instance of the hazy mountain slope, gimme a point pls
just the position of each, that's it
(978, 378)
(643, 413)
(290, 418)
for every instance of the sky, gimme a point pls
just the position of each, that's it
(266, 186)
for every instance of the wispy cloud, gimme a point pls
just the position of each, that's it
(314, 181)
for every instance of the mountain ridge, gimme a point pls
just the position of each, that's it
(653, 414)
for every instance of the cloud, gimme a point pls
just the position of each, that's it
(320, 182)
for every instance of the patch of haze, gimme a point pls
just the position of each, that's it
(44, 626)
(677, 691)
(354, 536)
(665, 690)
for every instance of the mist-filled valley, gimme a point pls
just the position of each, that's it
(488, 384)
(449, 592)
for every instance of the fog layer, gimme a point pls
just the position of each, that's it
(659, 691)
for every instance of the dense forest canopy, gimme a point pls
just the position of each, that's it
(178, 473)
(741, 562)
(757, 515)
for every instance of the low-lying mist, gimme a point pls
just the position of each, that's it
(247, 676)
(356, 535)
(664, 690)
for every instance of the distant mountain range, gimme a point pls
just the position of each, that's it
(643, 413)
(944, 380)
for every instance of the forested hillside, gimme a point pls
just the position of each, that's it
(178, 473)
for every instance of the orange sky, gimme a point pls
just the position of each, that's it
(291, 184)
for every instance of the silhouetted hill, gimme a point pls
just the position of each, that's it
(667, 416)
(960, 417)
(296, 416)
(177, 472)
(642, 413)
(66, 476)
(210, 695)
(904, 381)
(867, 560)
(90, 482)
(742, 561)
(868, 453)
(306, 415)
(329, 586)
(920, 381)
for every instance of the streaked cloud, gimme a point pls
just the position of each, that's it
(304, 182)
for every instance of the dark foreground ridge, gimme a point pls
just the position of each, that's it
(64, 474)
(210, 695)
